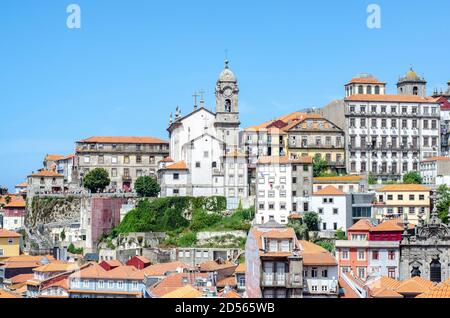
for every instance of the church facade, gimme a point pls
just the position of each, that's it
(204, 148)
(427, 253)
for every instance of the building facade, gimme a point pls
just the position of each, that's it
(284, 186)
(435, 171)
(393, 201)
(124, 158)
(388, 135)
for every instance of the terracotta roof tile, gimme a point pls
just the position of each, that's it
(184, 292)
(385, 293)
(361, 225)
(329, 190)
(415, 285)
(214, 266)
(53, 157)
(124, 140)
(240, 269)
(436, 159)
(6, 233)
(390, 98)
(230, 294)
(17, 203)
(181, 165)
(365, 80)
(167, 159)
(22, 185)
(163, 268)
(338, 179)
(56, 266)
(227, 281)
(174, 282)
(314, 254)
(21, 278)
(46, 173)
(403, 187)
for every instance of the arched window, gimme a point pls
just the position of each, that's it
(369, 89)
(360, 89)
(377, 90)
(228, 106)
(435, 271)
(415, 90)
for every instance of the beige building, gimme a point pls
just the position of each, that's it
(347, 184)
(394, 201)
(45, 181)
(125, 158)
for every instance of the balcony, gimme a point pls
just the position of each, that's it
(126, 178)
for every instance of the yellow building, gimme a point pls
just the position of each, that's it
(394, 201)
(9, 243)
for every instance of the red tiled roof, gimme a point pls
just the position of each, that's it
(390, 98)
(314, 254)
(163, 268)
(46, 173)
(7, 234)
(181, 165)
(124, 140)
(284, 160)
(361, 225)
(329, 190)
(174, 282)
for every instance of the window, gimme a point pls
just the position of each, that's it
(400, 197)
(176, 176)
(324, 226)
(421, 197)
(114, 159)
(361, 255)
(375, 255)
(320, 210)
(335, 226)
(120, 284)
(101, 159)
(134, 285)
(361, 272)
(101, 284)
(197, 164)
(126, 159)
(87, 159)
(391, 255)
(138, 159)
(86, 283)
(335, 210)
(325, 273)
(344, 254)
(412, 210)
(205, 154)
(314, 272)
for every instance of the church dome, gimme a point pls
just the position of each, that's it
(227, 75)
(411, 74)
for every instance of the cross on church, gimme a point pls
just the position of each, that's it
(202, 93)
(195, 95)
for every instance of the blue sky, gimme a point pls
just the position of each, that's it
(132, 62)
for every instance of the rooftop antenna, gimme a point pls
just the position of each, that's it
(202, 100)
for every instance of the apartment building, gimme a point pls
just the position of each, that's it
(394, 201)
(435, 171)
(372, 249)
(284, 187)
(388, 135)
(330, 204)
(45, 181)
(296, 135)
(124, 158)
(274, 267)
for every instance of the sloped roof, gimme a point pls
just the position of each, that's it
(163, 268)
(46, 173)
(361, 225)
(124, 140)
(394, 225)
(403, 188)
(184, 292)
(338, 179)
(415, 285)
(385, 293)
(442, 290)
(7, 234)
(284, 160)
(314, 254)
(390, 98)
(175, 281)
(180, 165)
(329, 190)
(16, 203)
(240, 269)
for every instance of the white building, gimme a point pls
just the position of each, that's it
(435, 170)
(203, 148)
(330, 204)
(276, 180)
(388, 135)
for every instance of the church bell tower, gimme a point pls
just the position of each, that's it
(227, 111)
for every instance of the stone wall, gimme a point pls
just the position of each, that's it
(49, 209)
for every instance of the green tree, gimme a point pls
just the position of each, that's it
(96, 180)
(319, 166)
(412, 177)
(340, 234)
(311, 219)
(8, 199)
(443, 204)
(147, 187)
(73, 250)
(63, 235)
(371, 179)
(300, 229)
(326, 245)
